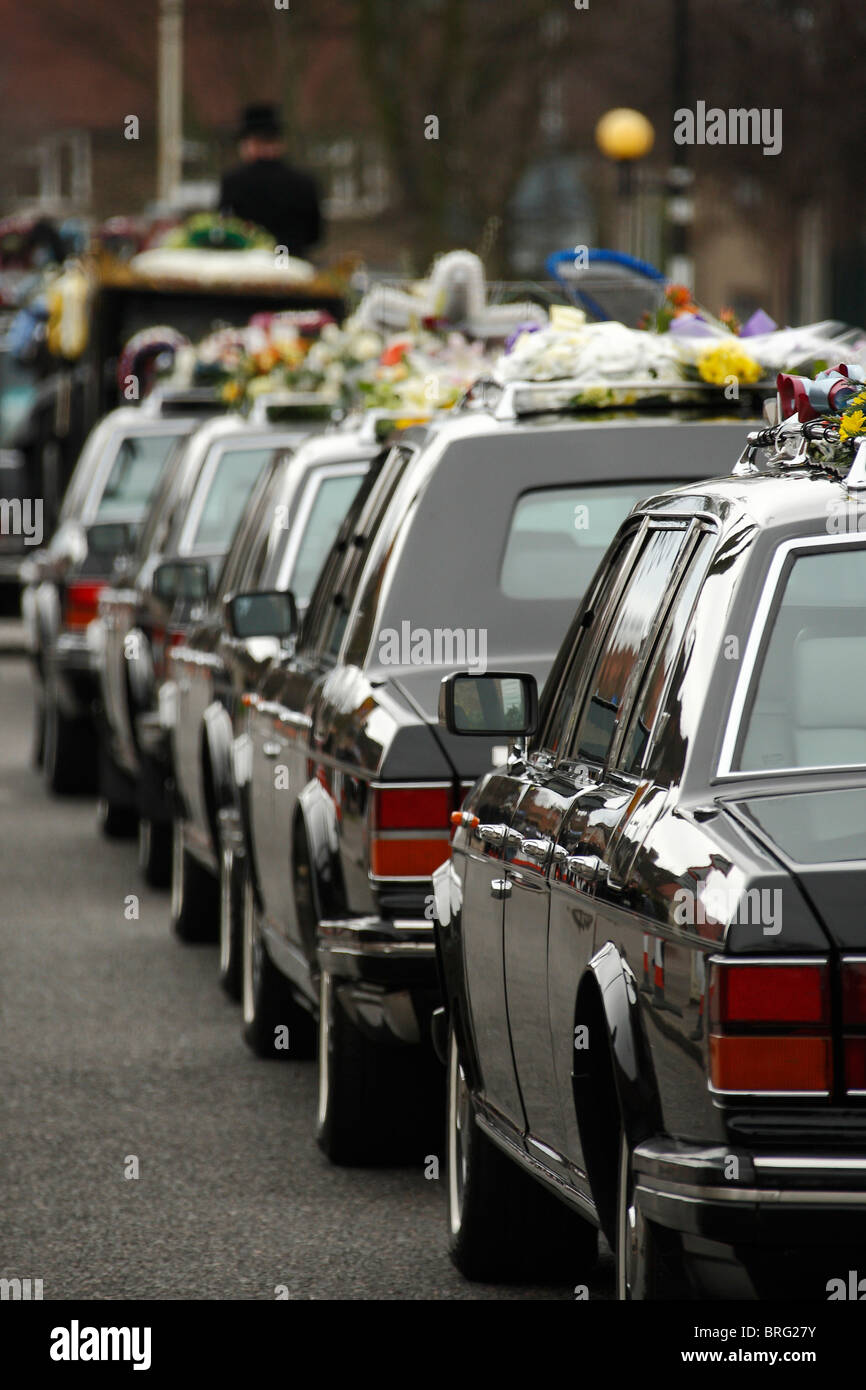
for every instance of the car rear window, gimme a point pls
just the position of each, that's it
(806, 707)
(558, 538)
(134, 476)
(228, 491)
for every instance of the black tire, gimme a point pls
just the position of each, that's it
(116, 821)
(231, 922)
(69, 753)
(648, 1259)
(37, 748)
(155, 851)
(503, 1225)
(275, 1026)
(377, 1103)
(194, 894)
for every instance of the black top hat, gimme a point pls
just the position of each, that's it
(262, 120)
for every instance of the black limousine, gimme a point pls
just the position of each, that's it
(469, 543)
(651, 930)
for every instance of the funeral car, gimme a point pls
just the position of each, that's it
(468, 543)
(117, 473)
(650, 928)
(284, 535)
(148, 607)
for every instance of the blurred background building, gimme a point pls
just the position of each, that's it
(509, 166)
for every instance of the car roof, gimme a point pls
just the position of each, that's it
(777, 500)
(475, 422)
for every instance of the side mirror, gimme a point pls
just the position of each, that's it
(272, 613)
(499, 702)
(181, 579)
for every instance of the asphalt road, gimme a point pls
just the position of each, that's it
(117, 1042)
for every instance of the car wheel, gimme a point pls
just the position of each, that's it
(503, 1225)
(648, 1262)
(37, 749)
(193, 894)
(275, 1026)
(377, 1103)
(69, 754)
(155, 851)
(117, 822)
(231, 922)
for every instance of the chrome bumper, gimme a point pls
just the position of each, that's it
(400, 953)
(725, 1193)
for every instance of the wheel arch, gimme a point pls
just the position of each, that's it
(217, 785)
(613, 1078)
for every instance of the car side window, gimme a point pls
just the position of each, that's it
(240, 572)
(625, 644)
(656, 677)
(328, 613)
(563, 684)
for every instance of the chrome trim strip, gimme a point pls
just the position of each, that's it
(390, 879)
(408, 786)
(761, 1196)
(537, 1168)
(397, 950)
(799, 1095)
(770, 960)
(756, 636)
(856, 1165)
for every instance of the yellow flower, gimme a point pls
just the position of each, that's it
(853, 422)
(232, 391)
(727, 359)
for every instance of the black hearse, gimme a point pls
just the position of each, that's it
(470, 543)
(651, 928)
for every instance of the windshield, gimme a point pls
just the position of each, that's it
(134, 476)
(227, 491)
(805, 707)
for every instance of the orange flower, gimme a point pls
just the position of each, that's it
(394, 354)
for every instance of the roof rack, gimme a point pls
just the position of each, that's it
(509, 400)
(791, 444)
(185, 400)
(271, 406)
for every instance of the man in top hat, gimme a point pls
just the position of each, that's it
(264, 189)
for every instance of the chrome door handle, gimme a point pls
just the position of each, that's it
(492, 834)
(536, 850)
(500, 888)
(271, 750)
(587, 866)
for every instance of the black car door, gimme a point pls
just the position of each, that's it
(505, 893)
(619, 714)
(541, 1001)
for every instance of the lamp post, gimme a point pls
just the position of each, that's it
(625, 136)
(170, 84)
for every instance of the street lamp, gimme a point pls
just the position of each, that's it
(625, 136)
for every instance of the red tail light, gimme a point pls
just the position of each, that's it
(770, 1026)
(409, 829)
(854, 1025)
(81, 604)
